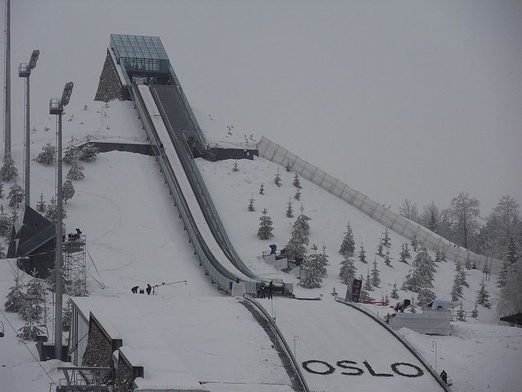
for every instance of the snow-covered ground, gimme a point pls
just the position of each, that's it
(135, 237)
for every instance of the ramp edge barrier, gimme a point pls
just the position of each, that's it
(399, 224)
(283, 343)
(203, 196)
(219, 278)
(404, 342)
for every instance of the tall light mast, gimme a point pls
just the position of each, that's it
(7, 81)
(24, 71)
(56, 107)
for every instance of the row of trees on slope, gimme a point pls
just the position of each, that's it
(462, 224)
(9, 173)
(500, 237)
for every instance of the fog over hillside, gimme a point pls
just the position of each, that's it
(410, 99)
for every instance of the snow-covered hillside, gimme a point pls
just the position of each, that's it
(134, 237)
(278, 70)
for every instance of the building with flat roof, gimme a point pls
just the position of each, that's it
(143, 57)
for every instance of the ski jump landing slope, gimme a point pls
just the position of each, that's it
(342, 349)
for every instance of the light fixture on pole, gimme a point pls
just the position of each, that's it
(56, 107)
(24, 71)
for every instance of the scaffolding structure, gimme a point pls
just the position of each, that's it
(74, 265)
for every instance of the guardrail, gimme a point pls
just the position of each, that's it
(281, 339)
(204, 199)
(399, 224)
(404, 342)
(195, 123)
(219, 277)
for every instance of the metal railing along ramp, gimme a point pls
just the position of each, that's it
(211, 256)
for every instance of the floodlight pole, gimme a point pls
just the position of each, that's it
(56, 107)
(24, 71)
(7, 74)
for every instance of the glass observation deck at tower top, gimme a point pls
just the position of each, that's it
(141, 56)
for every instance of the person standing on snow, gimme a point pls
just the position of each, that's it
(444, 376)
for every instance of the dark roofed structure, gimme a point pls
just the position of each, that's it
(513, 319)
(33, 242)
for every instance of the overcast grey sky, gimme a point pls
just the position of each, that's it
(399, 99)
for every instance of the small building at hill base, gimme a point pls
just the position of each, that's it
(429, 322)
(33, 243)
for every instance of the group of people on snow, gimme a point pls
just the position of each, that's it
(264, 291)
(136, 288)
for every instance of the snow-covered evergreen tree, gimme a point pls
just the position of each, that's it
(440, 256)
(462, 274)
(67, 191)
(311, 273)
(376, 280)
(365, 296)
(486, 270)
(511, 255)
(265, 226)
(15, 297)
(368, 282)
(72, 154)
(387, 258)
(16, 195)
(47, 156)
(251, 207)
(1, 190)
(380, 248)
(457, 291)
(297, 195)
(277, 179)
(297, 182)
(386, 240)
(483, 295)
(318, 261)
(362, 255)
(395, 293)
(323, 260)
(289, 209)
(8, 171)
(348, 270)
(6, 223)
(348, 244)
(295, 248)
(75, 173)
(474, 312)
(503, 274)
(33, 300)
(40, 205)
(422, 273)
(52, 211)
(511, 294)
(405, 254)
(425, 297)
(415, 243)
(437, 255)
(89, 152)
(468, 264)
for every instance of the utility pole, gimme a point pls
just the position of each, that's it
(56, 107)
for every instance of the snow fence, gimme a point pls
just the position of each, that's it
(399, 224)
